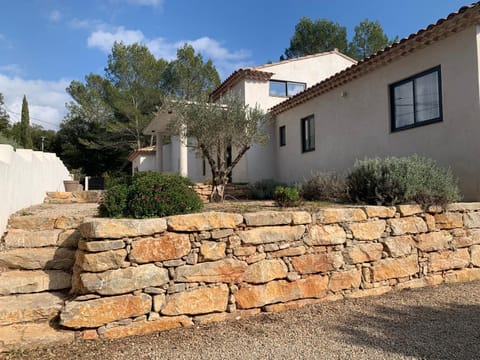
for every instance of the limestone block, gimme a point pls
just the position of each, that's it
(23, 282)
(342, 280)
(226, 271)
(369, 230)
(325, 235)
(68, 222)
(447, 260)
(395, 268)
(121, 281)
(30, 307)
(464, 275)
(380, 211)
(148, 327)
(197, 301)
(301, 218)
(158, 302)
(100, 261)
(339, 215)
(212, 250)
(168, 246)
(360, 253)
(472, 219)
(433, 241)
(120, 228)
(221, 233)
(32, 222)
(292, 251)
(268, 218)
(464, 207)
(97, 246)
(265, 271)
(399, 245)
(38, 258)
(449, 220)
(476, 255)
(18, 238)
(98, 312)
(204, 221)
(409, 210)
(315, 263)
(69, 238)
(281, 291)
(407, 225)
(245, 250)
(263, 235)
(31, 335)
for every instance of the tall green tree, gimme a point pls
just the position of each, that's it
(134, 89)
(25, 132)
(215, 128)
(368, 39)
(4, 117)
(311, 37)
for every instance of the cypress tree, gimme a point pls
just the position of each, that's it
(25, 131)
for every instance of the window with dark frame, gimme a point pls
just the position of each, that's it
(417, 100)
(308, 133)
(285, 88)
(282, 135)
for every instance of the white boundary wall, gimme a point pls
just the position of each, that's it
(25, 177)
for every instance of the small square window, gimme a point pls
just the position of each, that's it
(282, 135)
(416, 101)
(308, 133)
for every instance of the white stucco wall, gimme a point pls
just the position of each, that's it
(358, 125)
(25, 177)
(144, 162)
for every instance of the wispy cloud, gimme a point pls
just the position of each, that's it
(13, 69)
(55, 16)
(225, 60)
(46, 99)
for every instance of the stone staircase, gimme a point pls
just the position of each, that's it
(36, 259)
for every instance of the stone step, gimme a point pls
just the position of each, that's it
(38, 258)
(25, 282)
(30, 307)
(31, 335)
(32, 222)
(18, 238)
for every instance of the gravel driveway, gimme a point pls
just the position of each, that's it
(431, 323)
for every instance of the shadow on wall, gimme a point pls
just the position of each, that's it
(446, 331)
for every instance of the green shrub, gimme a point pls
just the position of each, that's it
(285, 196)
(393, 180)
(114, 203)
(264, 189)
(152, 195)
(325, 187)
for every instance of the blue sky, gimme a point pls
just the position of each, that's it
(47, 43)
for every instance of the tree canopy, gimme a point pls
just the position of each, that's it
(315, 36)
(25, 131)
(216, 128)
(4, 117)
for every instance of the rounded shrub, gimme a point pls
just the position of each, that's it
(397, 180)
(325, 187)
(285, 196)
(264, 189)
(152, 194)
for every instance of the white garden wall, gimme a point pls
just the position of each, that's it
(25, 177)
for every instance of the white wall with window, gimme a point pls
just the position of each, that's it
(427, 103)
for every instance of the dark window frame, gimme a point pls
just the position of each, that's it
(411, 79)
(308, 145)
(285, 83)
(282, 135)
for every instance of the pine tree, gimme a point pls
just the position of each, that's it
(25, 131)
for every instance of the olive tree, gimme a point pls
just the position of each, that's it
(213, 128)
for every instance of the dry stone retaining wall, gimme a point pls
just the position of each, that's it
(141, 276)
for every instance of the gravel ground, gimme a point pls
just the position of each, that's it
(431, 323)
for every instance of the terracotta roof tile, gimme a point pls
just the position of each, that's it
(144, 150)
(453, 23)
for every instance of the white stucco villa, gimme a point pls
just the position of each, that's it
(420, 95)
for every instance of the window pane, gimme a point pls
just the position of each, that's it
(278, 88)
(403, 105)
(308, 134)
(282, 136)
(294, 88)
(311, 132)
(427, 102)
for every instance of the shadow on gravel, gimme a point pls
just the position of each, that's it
(447, 331)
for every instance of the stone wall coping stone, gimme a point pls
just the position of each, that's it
(118, 228)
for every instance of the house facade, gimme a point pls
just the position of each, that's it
(420, 95)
